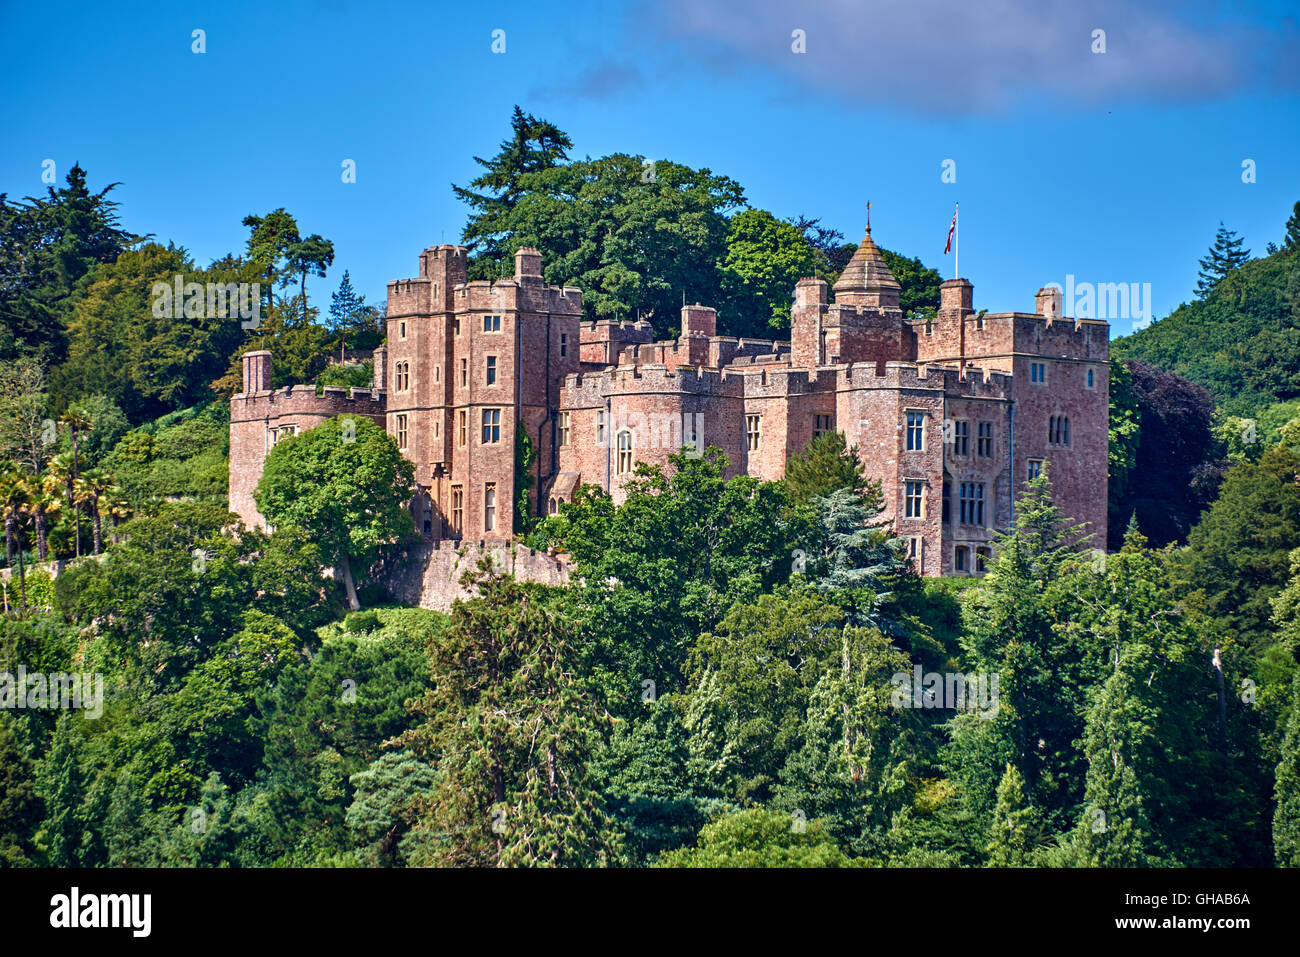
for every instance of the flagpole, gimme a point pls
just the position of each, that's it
(956, 240)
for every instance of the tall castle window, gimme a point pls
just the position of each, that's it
(914, 500)
(600, 430)
(464, 373)
(752, 432)
(1091, 378)
(457, 508)
(1034, 468)
(463, 416)
(491, 426)
(401, 329)
(821, 425)
(916, 552)
(564, 343)
(916, 431)
(455, 326)
(491, 370)
(491, 323)
(1058, 430)
(984, 442)
(961, 558)
(402, 375)
(961, 437)
(401, 431)
(972, 503)
(1037, 372)
(564, 428)
(623, 464)
(490, 506)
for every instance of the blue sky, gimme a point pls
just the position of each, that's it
(1112, 167)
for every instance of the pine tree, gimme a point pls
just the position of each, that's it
(1115, 829)
(825, 464)
(1225, 255)
(513, 724)
(1286, 819)
(1016, 823)
(1292, 241)
(534, 145)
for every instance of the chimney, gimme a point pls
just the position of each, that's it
(380, 359)
(257, 371)
(1047, 302)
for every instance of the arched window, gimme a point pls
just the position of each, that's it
(624, 463)
(552, 508)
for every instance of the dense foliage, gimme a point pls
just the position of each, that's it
(738, 673)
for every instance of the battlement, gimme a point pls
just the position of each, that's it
(598, 396)
(302, 400)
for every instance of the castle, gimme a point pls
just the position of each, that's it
(952, 414)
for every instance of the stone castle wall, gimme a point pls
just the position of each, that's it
(427, 574)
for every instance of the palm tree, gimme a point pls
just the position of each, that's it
(76, 421)
(15, 502)
(119, 510)
(94, 488)
(45, 508)
(63, 467)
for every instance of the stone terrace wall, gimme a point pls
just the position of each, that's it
(427, 574)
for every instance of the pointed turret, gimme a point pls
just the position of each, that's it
(867, 279)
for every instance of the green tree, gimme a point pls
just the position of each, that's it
(757, 670)
(20, 808)
(1238, 556)
(314, 255)
(270, 243)
(534, 145)
(513, 723)
(51, 246)
(668, 563)
(1010, 631)
(859, 749)
(352, 320)
(1292, 241)
(760, 838)
(1286, 819)
(1124, 434)
(346, 484)
(24, 435)
(1016, 825)
(1225, 255)
(764, 258)
(386, 795)
(825, 465)
(635, 236)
